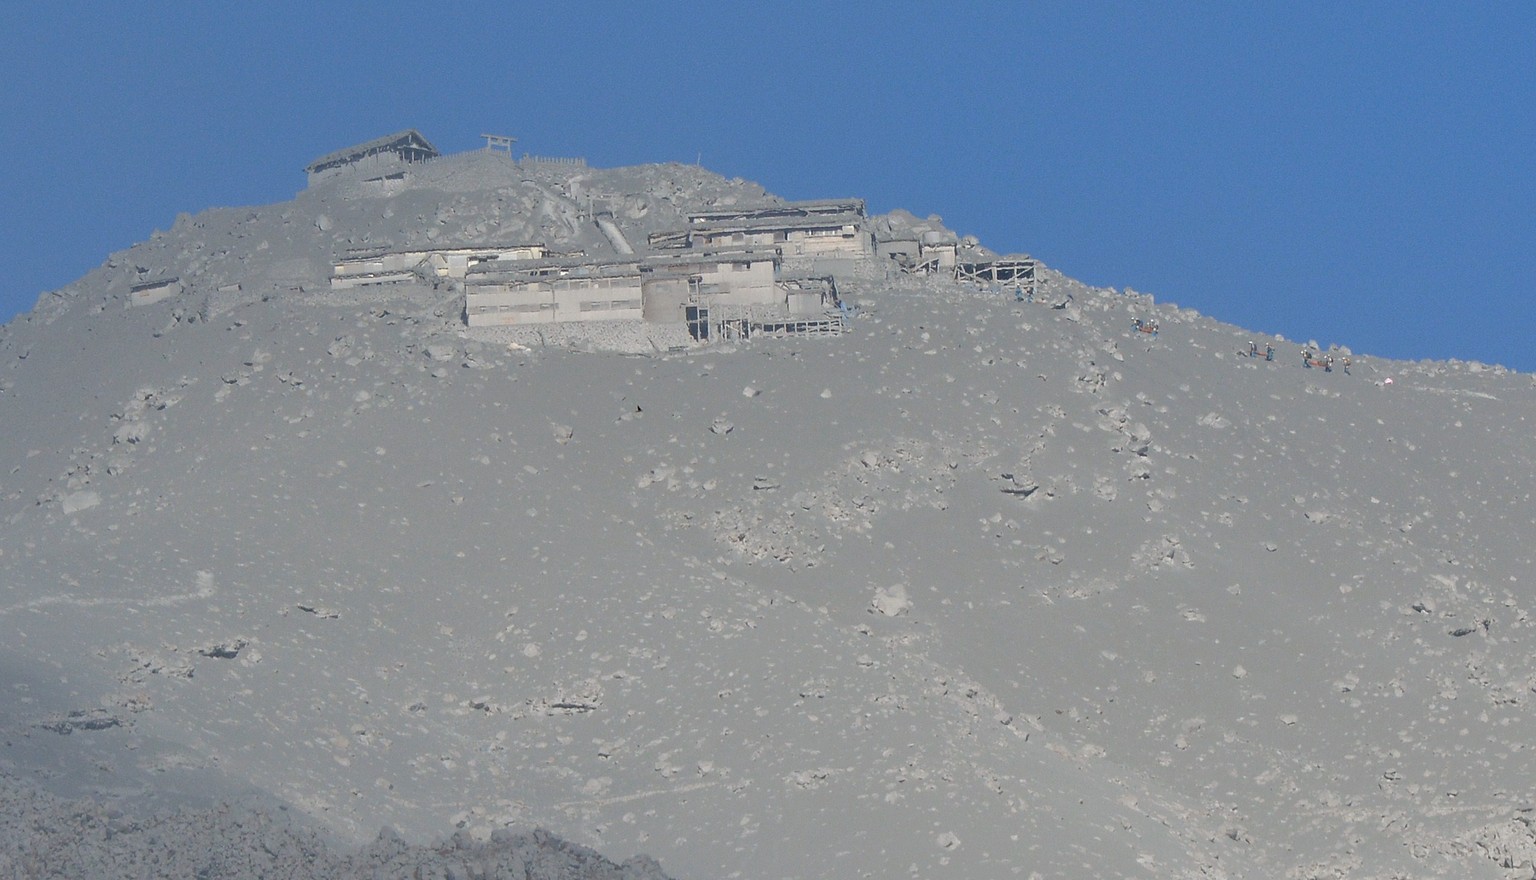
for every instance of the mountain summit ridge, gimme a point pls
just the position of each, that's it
(982, 586)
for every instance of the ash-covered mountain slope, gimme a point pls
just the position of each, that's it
(981, 588)
(45, 836)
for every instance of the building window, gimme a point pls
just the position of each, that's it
(697, 318)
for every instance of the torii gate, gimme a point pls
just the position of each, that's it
(499, 143)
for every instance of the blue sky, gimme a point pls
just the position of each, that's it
(1353, 173)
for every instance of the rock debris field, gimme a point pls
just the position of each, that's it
(980, 588)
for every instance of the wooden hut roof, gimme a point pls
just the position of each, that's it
(407, 139)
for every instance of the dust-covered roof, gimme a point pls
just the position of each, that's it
(409, 139)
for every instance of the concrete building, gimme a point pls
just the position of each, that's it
(725, 278)
(149, 292)
(549, 291)
(801, 232)
(728, 293)
(903, 247)
(596, 290)
(932, 252)
(940, 252)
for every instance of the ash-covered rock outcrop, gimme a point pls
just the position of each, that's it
(45, 836)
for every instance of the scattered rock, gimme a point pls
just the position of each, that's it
(228, 650)
(81, 719)
(891, 602)
(75, 502)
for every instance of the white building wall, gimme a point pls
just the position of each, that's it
(503, 305)
(150, 295)
(944, 253)
(849, 241)
(806, 302)
(558, 301)
(748, 283)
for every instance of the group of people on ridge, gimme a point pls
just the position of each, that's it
(1311, 359)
